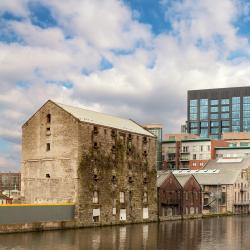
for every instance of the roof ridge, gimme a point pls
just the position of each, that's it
(90, 110)
(104, 119)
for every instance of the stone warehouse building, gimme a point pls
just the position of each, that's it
(104, 164)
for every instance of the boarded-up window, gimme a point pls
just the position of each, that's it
(96, 215)
(122, 214)
(145, 197)
(197, 210)
(145, 213)
(169, 211)
(191, 210)
(95, 197)
(122, 197)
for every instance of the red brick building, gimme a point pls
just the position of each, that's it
(191, 195)
(169, 195)
(178, 195)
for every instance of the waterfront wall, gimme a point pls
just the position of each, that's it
(25, 213)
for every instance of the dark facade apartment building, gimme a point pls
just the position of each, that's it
(10, 181)
(212, 112)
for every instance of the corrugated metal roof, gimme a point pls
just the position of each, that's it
(230, 164)
(94, 117)
(224, 177)
(221, 177)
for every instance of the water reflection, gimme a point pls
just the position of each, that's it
(229, 233)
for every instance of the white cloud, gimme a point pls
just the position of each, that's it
(147, 84)
(104, 24)
(6, 164)
(15, 6)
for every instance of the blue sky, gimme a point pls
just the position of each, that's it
(134, 59)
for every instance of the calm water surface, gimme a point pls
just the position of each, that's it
(229, 233)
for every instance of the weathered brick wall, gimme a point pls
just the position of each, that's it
(116, 161)
(192, 198)
(50, 176)
(169, 196)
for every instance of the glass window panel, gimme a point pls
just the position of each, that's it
(204, 124)
(235, 114)
(214, 102)
(194, 131)
(236, 107)
(214, 109)
(193, 110)
(236, 128)
(246, 121)
(214, 130)
(204, 132)
(225, 101)
(193, 124)
(193, 117)
(193, 102)
(246, 113)
(225, 130)
(246, 106)
(246, 99)
(225, 123)
(203, 116)
(203, 102)
(203, 109)
(215, 136)
(214, 116)
(214, 124)
(225, 109)
(225, 115)
(246, 128)
(235, 100)
(236, 122)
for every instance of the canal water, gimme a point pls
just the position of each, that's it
(229, 233)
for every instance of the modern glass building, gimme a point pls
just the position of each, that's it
(156, 129)
(214, 111)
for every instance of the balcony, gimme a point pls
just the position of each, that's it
(184, 159)
(243, 189)
(171, 159)
(241, 203)
(185, 152)
(171, 151)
